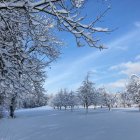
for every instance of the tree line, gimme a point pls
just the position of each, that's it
(87, 94)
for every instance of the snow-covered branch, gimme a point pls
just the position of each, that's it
(66, 17)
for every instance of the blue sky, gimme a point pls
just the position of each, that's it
(110, 67)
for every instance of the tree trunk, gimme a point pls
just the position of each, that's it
(124, 105)
(12, 107)
(86, 109)
(109, 107)
(71, 108)
(84, 105)
(12, 111)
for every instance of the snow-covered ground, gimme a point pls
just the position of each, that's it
(48, 124)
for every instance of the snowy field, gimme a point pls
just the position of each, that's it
(48, 124)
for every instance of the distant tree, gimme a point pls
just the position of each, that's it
(58, 100)
(133, 89)
(117, 100)
(95, 98)
(106, 99)
(72, 100)
(86, 93)
(100, 92)
(126, 98)
(65, 98)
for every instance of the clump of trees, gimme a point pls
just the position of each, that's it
(90, 95)
(86, 95)
(65, 99)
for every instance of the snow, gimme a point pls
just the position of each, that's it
(78, 3)
(47, 124)
(62, 11)
(35, 109)
(100, 29)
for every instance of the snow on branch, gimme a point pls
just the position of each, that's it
(66, 16)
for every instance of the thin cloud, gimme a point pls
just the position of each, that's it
(119, 84)
(137, 57)
(127, 68)
(137, 24)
